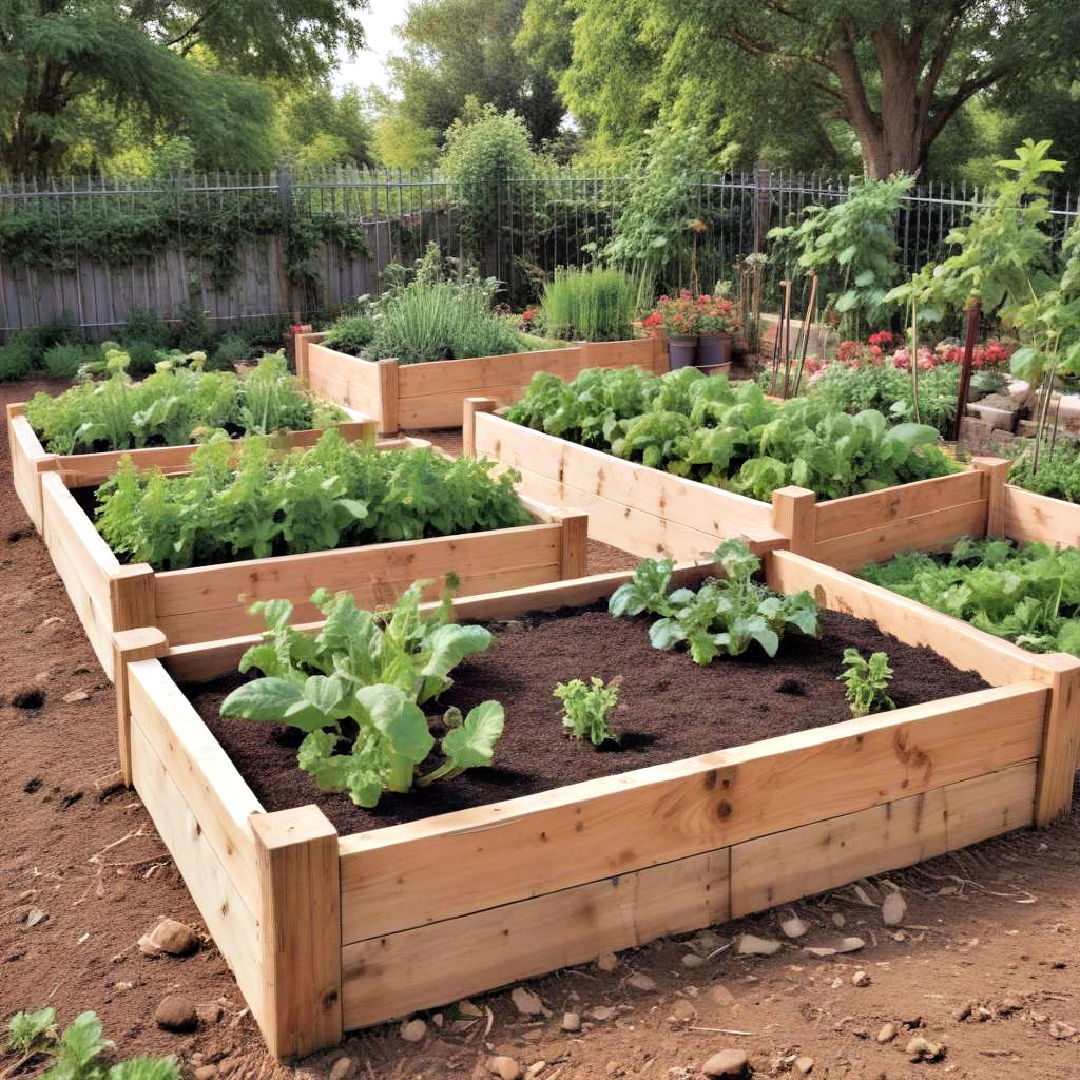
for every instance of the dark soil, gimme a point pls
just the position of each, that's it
(669, 708)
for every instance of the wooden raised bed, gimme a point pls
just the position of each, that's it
(431, 395)
(1031, 517)
(649, 512)
(29, 459)
(326, 933)
(205, 603)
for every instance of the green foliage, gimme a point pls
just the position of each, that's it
(585, 708)
(230, 350)
(64, 361)
(729, 436)
(18, 359)
(852, 244)
(725, 615)
(1058, 474)
(253, 501)
(350, 334)
(374, 670)
(318, 128)
(589, 305)
(75, 1053)
(866, 682)
(1028, 594)
(145, 324)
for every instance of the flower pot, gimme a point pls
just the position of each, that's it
(714, 349)
(682, 350)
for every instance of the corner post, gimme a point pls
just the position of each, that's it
(147, 643)
(298, 865)
(473, 405)
(1061, 738)
(793, 516)
(131, 597)
(996, 471)
(389, 388)
(573, 531)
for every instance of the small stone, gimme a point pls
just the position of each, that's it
(819, 952)
(603, 1013)
(839, 920)
(571, 1021)
(205, 1072)
(683, 1011)
(860, 978)
(76, 695)
(804, 1066)
(795, 928)
(506, 1068)
(342, 1069)
(708, 939)
(1009, 1006)
(727, 1063)
(35, 916)
(176, 1013)
(535, 1069)
(692, 960)
(526, 1002)
(227, 1068)
(607, 961)
(413, 1031)
(721, 995)
(1058, 1030)
(749, 945)
(962, 1012)
(169, 936)
(640, 981)
(893, 908)
(850, 944)
(210, 1014)
(887, 1033)
(920, 1049)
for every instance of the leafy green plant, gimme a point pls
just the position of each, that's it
(74, 1053)
(706, 429)
(589, 305)
(18, 357)
(1058, 474)
(725, 615)
(866, 682)
(368, 673)
(64, 361)
(350, 334)
(231, 349)
(257, 501)
(585, 708)
(1028, 594)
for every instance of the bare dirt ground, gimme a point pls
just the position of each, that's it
(985, 965)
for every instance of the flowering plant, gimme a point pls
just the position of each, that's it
(689, 314)
(875, 352)
(716, 315)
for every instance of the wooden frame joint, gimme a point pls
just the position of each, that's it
(996, 471)
(473, 405)
(146, 643)
(793, 516)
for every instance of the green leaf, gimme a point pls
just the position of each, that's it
(80, 1043)
(473, 743)
(450, 644)
(144, 1068)
(274, 700)
(27, 1030)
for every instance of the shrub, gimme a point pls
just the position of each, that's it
(17, 358)
(143, 324)
(195, 327)
(143, 357)
(232, 349)
(350, 334)
(64, 361)
(589, 305)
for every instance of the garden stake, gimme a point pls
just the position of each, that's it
(974, 313)
(811, 314)
(782, 331)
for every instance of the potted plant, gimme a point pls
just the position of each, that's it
(679, 317)
(716, 324)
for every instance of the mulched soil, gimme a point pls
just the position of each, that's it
(669, 708)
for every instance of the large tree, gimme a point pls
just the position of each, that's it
(896, 71)
(158, 60)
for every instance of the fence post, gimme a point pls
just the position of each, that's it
(762, 205)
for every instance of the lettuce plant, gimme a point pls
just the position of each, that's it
(585, 708)
(866, 682)
(363, 677)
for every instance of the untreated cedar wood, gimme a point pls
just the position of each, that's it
(996, 472)
(1061, 743)
(128, 646)
(1030, 517)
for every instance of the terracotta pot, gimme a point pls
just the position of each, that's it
(714, 349)
(682, 350)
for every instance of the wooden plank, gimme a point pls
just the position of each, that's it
(1040, 519)
(839, 517)
(128, 646)
(231, 914)
(391, 976)
(581, 469)
(932, 531)
(28, 461)
(389, 382)
(345, 380)
(996, 472)
(998, 661)
(408, 875)
(793, 516)
(218, 796)
(1061, 741)
(301, 934)
(780, 867)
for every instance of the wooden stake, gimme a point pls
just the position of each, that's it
(573, 525)
(473, 405)
(996, 471)
(1061, 739)
(974, 313)
(130, 645)
(793, 510)
(389, 394)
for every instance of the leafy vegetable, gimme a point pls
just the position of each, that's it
(866, 682)
(705, 429)
(1058, 474)
(365, 675)
(585, 708)
(1028, 594)
(75, 1053)
(173, 404)
(260, 501)
(724, 615)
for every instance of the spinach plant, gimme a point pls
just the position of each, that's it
(866, 682)
(363, 677)
(725, 615)
(585, 708)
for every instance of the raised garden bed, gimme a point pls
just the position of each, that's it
(327, 932)
(1028, 516)
(30, 460)
(431, 395)
(203, 603)
(648, 511)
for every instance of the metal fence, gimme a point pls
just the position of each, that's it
(274, 246)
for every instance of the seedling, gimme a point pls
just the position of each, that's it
(866, 682)
(585, 708)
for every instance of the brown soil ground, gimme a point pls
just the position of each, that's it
(669, 708)
(995, 922)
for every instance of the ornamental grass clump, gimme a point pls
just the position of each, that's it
(589, 305)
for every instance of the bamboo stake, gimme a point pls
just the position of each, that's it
(811, 313)
(780, 342)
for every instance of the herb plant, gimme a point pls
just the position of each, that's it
(589, 305)
(1058, 474)
(256, 501)
(585, 708)
(74, 1053)
(866, 682)
(1028, 594)
(725, 615)
(706, 429)
(174, 403)
(363, 677)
